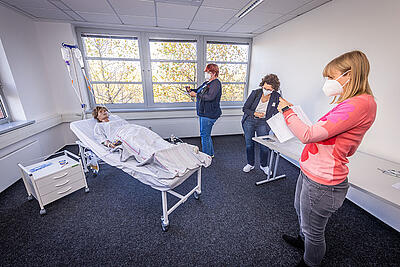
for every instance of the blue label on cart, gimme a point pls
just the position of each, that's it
(44, 165)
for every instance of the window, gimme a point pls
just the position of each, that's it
(114, 68)
(173, 66)
(151, 70)
(232, 60)
(3, 108)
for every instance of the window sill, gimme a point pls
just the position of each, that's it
(10, 126)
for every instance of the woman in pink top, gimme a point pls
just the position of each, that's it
(322, 184)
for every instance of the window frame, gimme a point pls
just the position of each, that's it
(4, 107)
(93, 31)
(146, 70)
(168, 37)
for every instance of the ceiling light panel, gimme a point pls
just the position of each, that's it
(249, 8)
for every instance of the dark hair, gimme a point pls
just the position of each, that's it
(272, 80)
(213, 68)
(96, 111)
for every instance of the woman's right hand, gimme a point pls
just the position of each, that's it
(259, 114)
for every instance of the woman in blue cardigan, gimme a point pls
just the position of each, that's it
(208, 106)
(259, 107)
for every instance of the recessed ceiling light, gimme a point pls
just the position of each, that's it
(252, 5)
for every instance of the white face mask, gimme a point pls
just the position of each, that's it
(333, 87)
(207, 75)
(266, 92)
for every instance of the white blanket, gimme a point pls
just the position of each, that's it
(147, 147)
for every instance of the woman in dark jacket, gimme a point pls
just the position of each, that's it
(259, 107)
(208, 106)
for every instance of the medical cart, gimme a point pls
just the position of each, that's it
(53, 177)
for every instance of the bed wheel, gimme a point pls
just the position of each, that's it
(42, 212)
(87, 190)
(196, 195)
(30, 197)
(164, 227)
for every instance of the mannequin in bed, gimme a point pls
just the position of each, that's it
(106, 128)
(144, 145)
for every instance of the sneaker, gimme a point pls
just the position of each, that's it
(265, 170)
(248, 168)
(296, 242)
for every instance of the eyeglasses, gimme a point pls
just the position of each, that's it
(394, 173)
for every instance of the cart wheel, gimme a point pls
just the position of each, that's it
(87, 190)
(196, 195)
(42, 212)
(30, 197)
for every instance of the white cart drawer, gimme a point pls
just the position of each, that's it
(62, 191)
(60, 183)
(58, 176)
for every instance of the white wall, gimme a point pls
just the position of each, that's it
(21, 47)
(297, 52)
(28, 92)
(51, 35)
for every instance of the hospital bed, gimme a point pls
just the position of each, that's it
(146, 174)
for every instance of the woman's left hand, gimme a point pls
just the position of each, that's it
(283, 103)
(192, 94)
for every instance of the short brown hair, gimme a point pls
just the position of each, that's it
(96, 111)
(272, 80)
(213, 68)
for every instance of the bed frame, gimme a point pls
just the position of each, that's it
(85, 153)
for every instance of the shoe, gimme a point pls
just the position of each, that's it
(302, 263)
(265, 170)
(296, 242)
(248, 168)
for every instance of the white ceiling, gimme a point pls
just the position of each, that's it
(214, 16)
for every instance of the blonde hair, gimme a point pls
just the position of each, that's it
(96, 110)
(357, 63)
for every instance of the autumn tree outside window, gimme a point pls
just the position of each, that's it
(145, 71)
(232, 59)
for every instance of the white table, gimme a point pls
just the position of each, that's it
(54, 181)
(291, 148)
(363, 175)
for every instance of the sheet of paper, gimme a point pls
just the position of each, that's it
(279, 127)
(397, 186)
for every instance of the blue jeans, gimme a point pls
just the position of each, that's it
(206, 125)
(314, 204)
(250, 127)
